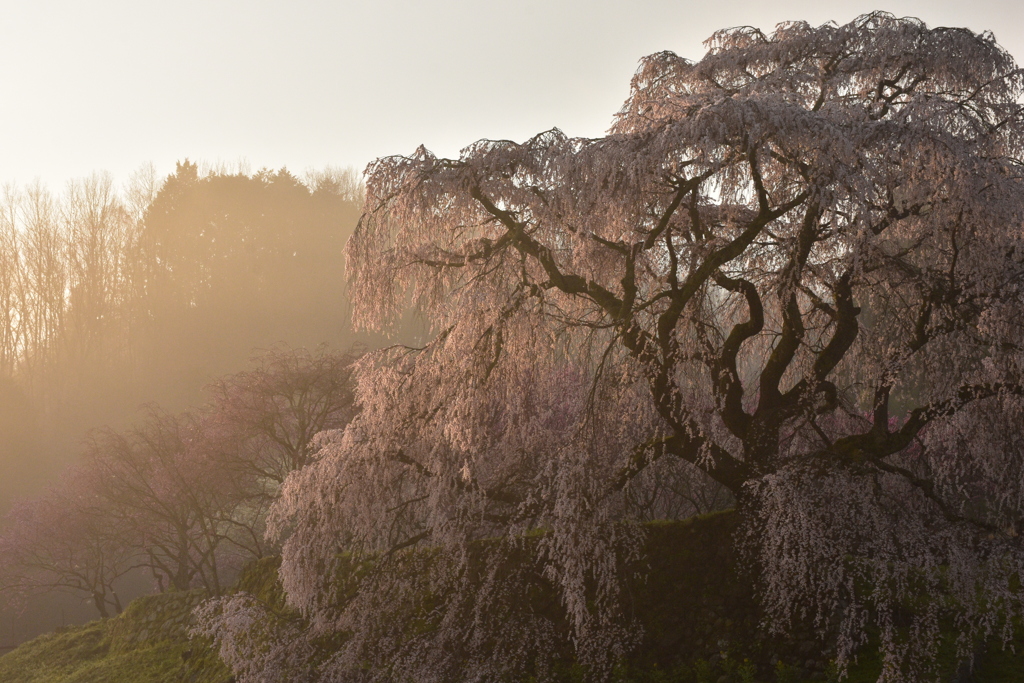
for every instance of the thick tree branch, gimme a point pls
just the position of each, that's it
(718, 463)
(698, 278)
(845, 333)
(728, 384)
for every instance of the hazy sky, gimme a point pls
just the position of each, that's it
(112, 84)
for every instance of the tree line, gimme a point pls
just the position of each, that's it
(114, 297)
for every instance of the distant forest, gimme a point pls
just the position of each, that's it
(111, 299)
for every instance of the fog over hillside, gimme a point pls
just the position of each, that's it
(117, 298)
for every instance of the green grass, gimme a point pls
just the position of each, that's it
(145, 644)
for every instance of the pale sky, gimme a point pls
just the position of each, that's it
(113, 84)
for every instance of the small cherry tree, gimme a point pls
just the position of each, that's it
(65, 540)
(264, 419)
(792, 269)
(172, 500)
(260, 424)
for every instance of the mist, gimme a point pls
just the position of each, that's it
(497, 388)
(116, 297)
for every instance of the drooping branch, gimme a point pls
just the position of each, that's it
(566, 282)
(877, 444)
(927, 488)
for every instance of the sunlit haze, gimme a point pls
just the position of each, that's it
(732, 393)
(112, 84)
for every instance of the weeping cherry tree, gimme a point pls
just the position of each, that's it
(792, 272)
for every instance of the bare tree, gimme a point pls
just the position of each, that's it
(11, 285)
(100, 233)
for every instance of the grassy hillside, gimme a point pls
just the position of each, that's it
(147, 643)
(700, 621)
